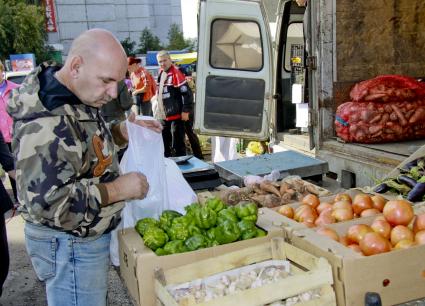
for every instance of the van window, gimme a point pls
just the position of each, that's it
(236, 45)
(294, 49)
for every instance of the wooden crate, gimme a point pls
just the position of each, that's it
(397, 276)
(309, 272)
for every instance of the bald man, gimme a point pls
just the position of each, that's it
(69, 187)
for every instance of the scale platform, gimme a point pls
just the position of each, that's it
(286, 162)
(199, 174)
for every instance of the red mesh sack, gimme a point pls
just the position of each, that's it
(388, 88)
(371, 122)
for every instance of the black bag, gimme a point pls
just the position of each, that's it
(5, 201)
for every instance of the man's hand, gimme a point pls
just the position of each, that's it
(185, 116)
(153, 125)
(130, 186)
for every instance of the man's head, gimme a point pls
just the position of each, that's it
(95, 63)
(133, 63)
(164, 60)
(301, 2)
(1, 72)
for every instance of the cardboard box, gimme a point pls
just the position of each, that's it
(397, 276)
(138, 262)
(308, 272)
(290, 225)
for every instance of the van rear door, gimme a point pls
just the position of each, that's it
(234, 70)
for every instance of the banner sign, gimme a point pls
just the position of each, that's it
(50, 16)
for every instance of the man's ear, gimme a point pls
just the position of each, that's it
(75, 66)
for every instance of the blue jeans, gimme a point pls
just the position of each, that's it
(75, 269)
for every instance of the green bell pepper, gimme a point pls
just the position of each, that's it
(205, 217)
(193, 229)
(143, 224)
(167, 217)
(227, 232)
(227, 214)
(191, 208)
(248, 229)
(261, 232)
(215, 204)
(247, 211)
(160, 252)
(175, 246)
(195, 242)
(155, 238)
(179, 229)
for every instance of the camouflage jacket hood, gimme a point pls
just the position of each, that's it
(64, 156)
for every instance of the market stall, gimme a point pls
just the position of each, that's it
(316, 248)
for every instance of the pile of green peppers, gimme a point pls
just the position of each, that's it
(202, 226)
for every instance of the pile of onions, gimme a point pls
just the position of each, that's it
(313, 213)
(398, 228)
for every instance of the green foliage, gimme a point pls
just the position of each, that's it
(148, 42)
(22, 29)
(128, 46)
(176, 39)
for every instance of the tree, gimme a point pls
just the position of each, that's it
(22, 29)
(128, 46)
(175, 38)
(148, 42)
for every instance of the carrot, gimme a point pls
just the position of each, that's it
(417, 115)
(266, 186)
(399, 114)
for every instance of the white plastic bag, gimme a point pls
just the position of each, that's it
(167, 187)
(179, 191)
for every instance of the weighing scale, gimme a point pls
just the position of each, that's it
(199, 174)
(286, 162)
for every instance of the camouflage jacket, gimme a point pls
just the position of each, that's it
(63, 158)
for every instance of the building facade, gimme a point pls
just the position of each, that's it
(124, 18)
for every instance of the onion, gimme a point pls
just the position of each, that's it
(343, 197)
(344, 240)
(286, 211)
(381, 217)
(404, 244)
(420, 237)
(381, 227)
(342, 214)
(419, 223)
(398, 212)
(301, 210)
(308, 216)
(325, 231)
(400, 232)
(342, 204)
(311, 199)
(357, 232)
(373, 243)
(378, 202)
(369, 212)
(361, 202)
(323, 206)
(325, 218)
